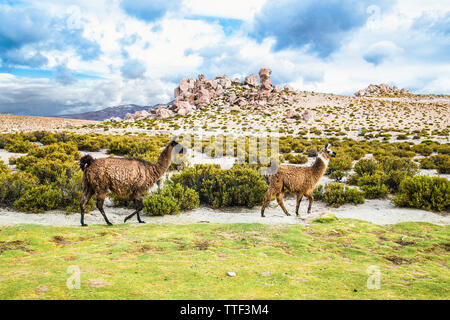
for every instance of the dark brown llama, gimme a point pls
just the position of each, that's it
(124, 177)
(297, 180)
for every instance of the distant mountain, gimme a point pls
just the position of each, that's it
(118, 111)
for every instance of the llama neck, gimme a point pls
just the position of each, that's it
(320, 166)
(164, 161)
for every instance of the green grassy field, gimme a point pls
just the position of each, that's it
(327, 260)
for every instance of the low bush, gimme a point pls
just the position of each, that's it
(440, 162)
(14, 185)
(341, 162)
(366, 166)
(424, 192)
(378, 178)
(3, 167)
(337, 194)
(238, 186)
(160, 205)
(171, 199)
(187, 198)
(295, 159)
(39, 199)
(373, 185)
(423, 149)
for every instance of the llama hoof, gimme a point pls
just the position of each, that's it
(262, 215)
(141, 221)
(109, 224)
(288, 214)
(84, 225)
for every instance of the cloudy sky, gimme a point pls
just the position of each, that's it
(59, 57)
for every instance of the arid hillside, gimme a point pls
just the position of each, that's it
(13, 123)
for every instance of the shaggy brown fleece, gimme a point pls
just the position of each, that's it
(297, 180)
(125, 177)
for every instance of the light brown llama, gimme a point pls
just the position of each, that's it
(297, 180)
(124, 177)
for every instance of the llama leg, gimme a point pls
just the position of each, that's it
(99, 203)
(311, 199)
(266, 201)
(139, 208)
(280, 202)
(299, 199)
(87, 194)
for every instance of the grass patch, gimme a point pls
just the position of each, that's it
(321, 261)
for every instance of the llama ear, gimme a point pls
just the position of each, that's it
(174, 142)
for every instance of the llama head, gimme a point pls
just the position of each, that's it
(178, 147)
(327, 153)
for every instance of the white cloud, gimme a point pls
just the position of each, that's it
(174, 47)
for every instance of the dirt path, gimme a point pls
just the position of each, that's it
(380, 212)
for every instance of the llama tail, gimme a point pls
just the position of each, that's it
(86, 161)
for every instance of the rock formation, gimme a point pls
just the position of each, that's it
(383, 89)
(265, 87)
(201, 92)
(251, 80)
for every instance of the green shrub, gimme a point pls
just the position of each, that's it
(423, 149)
(3, 167)
(337, 175)
(160, 205)
(342, 163)
(441, 162)
(14, 185)
(365, 166)
(424, 192)
(39, 199)
(337, 194)
(238, 186)
(20, 146)
(296, 159)
(187, 198)
(373, 185)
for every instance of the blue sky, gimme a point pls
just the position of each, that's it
(60, 57)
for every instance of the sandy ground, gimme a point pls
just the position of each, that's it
(380, 212)
(376, 211)
(13, 123)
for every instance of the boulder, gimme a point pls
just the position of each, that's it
(183, 107)
(289, 121)
(251, 80)
(113, 119)
(292, 113)
(128, 116)
(141, 115)
(308, 116)
(232, 98)
(202, 97)
(265, 85)
(163, 112)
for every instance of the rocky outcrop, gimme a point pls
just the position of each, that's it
(191, 94)
(379, 90)
(163, 112)
(251, 80)
(265, 87)
(308, 116)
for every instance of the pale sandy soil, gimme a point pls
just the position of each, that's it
(380, 212)
(13, 123)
